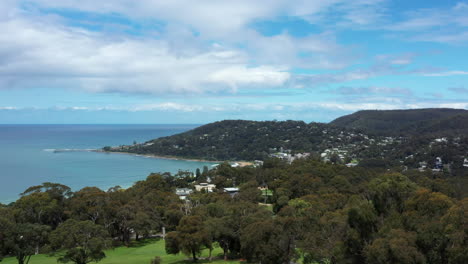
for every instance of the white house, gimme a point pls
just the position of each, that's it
(205, 187)
(183, 192)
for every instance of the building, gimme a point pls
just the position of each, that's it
(232, 191)
(438, 164)
(183, 192)
(205, 187)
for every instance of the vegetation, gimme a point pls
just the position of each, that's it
(372, 139)
(436, 121)
(139, 252)
(320, 213)
(84, 241)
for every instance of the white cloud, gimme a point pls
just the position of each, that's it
(396, 59)
(222, 18)
(8, 108)
(267, 110)
(241, 75)
(168, 106)
(372, 90)
(38, 50)
(446, 73)
(442, 25)
(426, 18)
(455, 38)
(45, 54)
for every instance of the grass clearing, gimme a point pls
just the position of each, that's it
(138, 253)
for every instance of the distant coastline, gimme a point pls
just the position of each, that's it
(157, 156)
(241, 163)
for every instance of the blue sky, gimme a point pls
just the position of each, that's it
(184, 61)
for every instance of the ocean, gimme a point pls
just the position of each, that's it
(27, 156)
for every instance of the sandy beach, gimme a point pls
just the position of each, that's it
(241, 163)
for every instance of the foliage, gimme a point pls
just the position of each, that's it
(24, 240)
(377, 140)
(83, 241)
(397, 246)
(190, 237)
(318, 213)
(156, 260)
(406, 122)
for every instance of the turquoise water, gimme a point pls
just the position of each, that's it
(26, 158)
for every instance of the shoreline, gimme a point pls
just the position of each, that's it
(168, 157)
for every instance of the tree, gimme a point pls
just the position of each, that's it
(88, 204)
(362, 221)
(425, 210)
(205, 171)
(270, 241)
(6, 224)
(56, 191)
(156, 260)
(395, 247)
(390, 191)
(24, 240)
(190, 237)
(223, 231)
(83, 241)
(43, 204)
(456, 226)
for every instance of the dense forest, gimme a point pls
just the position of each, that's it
(313, 212)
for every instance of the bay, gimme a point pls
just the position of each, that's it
(27, 157)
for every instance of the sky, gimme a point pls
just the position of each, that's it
(186, 61)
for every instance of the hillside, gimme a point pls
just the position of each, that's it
(238, 140)
(441, 122)
(401, 138)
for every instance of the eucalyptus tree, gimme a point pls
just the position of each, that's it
(80, 242)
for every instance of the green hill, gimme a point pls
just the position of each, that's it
(400, 137)
(237, 140)
(440, 121)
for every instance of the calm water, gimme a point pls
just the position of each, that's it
(26, 159)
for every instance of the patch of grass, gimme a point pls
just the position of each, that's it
(140, 252)
(269, 207)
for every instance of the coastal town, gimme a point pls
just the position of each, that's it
(342, 147)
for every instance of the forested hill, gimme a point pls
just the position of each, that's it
(440, 122)
(428, 134)
(238, 140)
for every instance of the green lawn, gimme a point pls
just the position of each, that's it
(138, 253)
(267, 192)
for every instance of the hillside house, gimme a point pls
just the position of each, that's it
(232, 191)
(206, 187)
(183, 192)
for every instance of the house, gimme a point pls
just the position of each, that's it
(422, 166)
(183, 192)
(205, 187)
(438, 164)
(232, 191)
